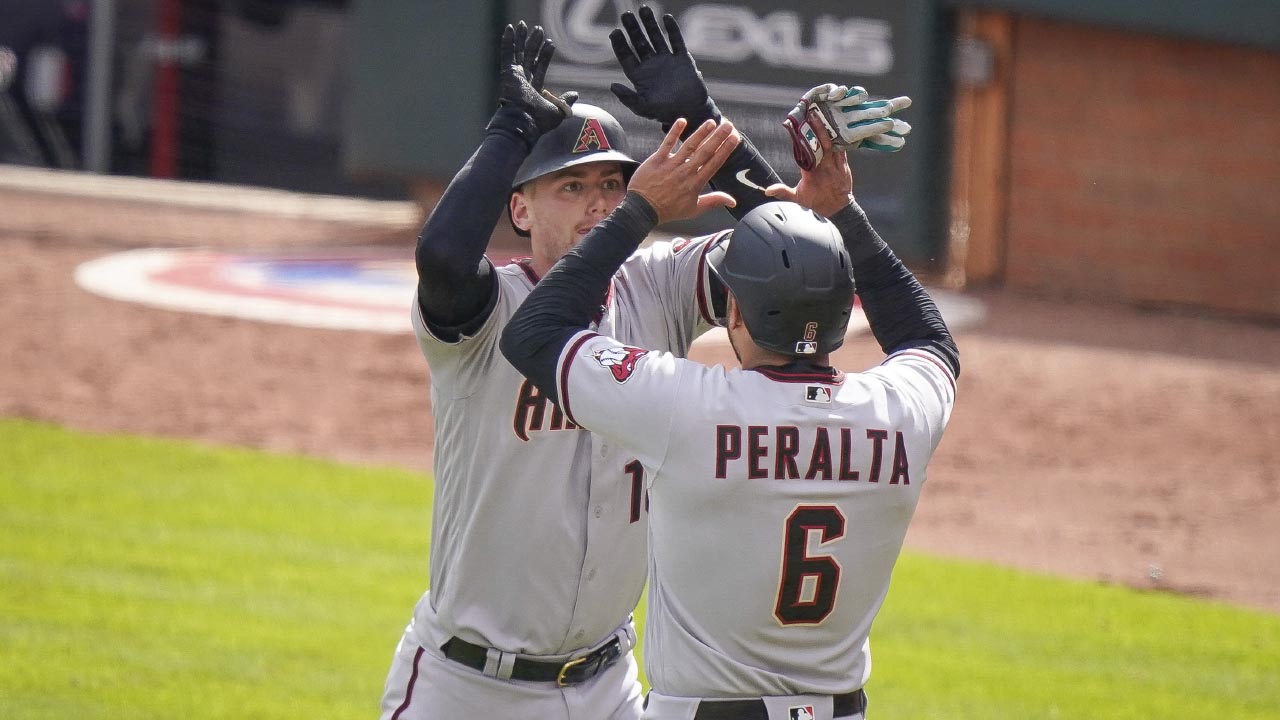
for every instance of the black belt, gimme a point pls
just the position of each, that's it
(844, 705)
(571, 672)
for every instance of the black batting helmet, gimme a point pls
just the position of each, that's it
(791, 277)
(591, 134)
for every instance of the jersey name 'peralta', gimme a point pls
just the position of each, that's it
(830, 452)
(778, 505)
(521, 491)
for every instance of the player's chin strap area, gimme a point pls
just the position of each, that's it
(578, 668)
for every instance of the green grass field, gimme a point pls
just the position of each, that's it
(155, 579)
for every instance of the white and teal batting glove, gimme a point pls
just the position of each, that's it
(860, 121)
(849, 118)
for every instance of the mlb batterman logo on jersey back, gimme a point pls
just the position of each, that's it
(592, 137)
(620, 359)
(817, 394)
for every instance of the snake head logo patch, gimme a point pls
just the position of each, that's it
(592, 137)
(621, 360)
(800, 712)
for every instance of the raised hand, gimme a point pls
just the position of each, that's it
(848, 118)
(826, 188)
(666, 79)
(671, 179)
(523, 105)
(861, 122)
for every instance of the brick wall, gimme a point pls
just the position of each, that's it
(1144, 168)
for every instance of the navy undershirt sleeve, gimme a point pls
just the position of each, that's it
(744, 176)
(898, 308)
(456, 285)
(565, 300)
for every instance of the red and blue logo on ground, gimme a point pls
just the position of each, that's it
(369, 289)
(364, 289)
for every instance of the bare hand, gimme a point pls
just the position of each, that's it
(671, 179)
(827, 189)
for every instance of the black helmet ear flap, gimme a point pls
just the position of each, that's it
(719, 301)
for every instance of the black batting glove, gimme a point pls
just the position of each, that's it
(667, 83)
(525, 109)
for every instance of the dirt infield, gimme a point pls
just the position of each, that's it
(1139, 448)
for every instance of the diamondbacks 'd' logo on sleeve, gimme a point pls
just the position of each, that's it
(592, 137)
(620, 359)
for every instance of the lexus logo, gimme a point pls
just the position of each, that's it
(730, 33)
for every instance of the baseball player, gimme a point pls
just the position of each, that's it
(538, 533)
(780, 492)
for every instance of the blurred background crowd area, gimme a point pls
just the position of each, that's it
(235, 91)
(1118, 150)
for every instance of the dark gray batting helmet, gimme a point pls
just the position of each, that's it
(591, 134)
(791, 277)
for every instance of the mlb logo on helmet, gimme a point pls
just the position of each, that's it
(592, 137)
(800, 712)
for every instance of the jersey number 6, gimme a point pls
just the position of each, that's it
(807, 590)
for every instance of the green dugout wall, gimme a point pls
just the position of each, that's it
(421, 84)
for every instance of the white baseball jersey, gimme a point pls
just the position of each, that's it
(779, 502)
(538, 533)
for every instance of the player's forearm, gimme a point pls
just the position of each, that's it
(898, 308)
(745, 175)
(565, 301)
(451, 247)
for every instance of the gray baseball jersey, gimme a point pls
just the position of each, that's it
(779, 502)
(538, 532)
